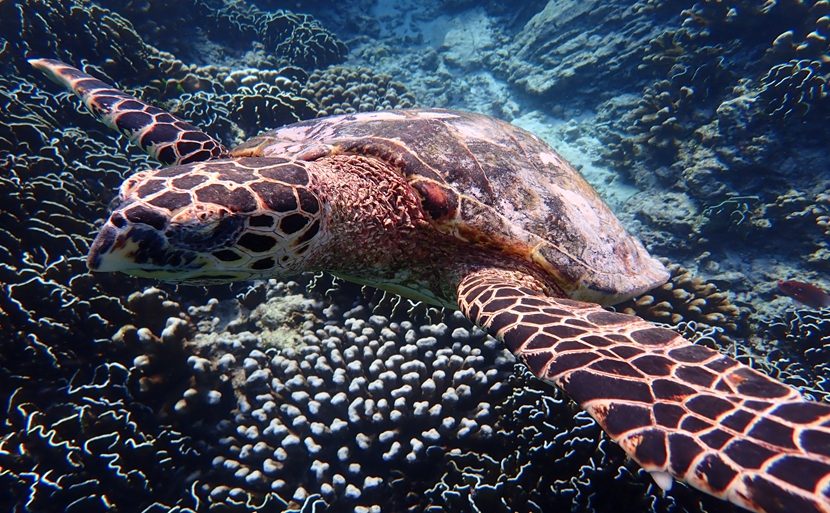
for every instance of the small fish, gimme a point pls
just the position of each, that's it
(810, 295)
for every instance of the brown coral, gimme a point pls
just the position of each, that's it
(342, 90)
(685, 298)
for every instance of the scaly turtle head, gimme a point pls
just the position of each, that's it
(212, 222)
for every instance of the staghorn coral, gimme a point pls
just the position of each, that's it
(341, 90)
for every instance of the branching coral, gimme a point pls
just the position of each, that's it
(359, 399)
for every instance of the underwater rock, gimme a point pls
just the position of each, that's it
(576, 44)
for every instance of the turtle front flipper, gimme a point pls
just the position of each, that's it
(677, 408)
(163, 136)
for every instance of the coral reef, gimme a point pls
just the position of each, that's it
(76, 32)
(553, 457)
(288, 39)
(90, 367)
(797, 354)
(75, 435)
(793, 88)
(762, 222)
(275, 397)
(686, 298)
(341, 90)
(346, 409)
(89, 449)
(266, 100)
(358, 400)
(213, 31)
(723, 97)
(257, 91)
(46, 299)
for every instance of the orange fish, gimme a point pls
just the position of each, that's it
(810, 295)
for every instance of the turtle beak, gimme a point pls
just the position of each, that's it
(101, 255)
(140, 250)
(124, 249)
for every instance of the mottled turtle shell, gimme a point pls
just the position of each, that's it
(492, 184)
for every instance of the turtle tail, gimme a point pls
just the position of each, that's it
(163, 136)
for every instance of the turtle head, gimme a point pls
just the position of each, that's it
(211, 222)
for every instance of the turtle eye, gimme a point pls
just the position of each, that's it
(118, 220)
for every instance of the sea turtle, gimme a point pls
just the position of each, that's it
(464, 211)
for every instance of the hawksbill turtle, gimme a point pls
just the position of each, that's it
(464, 211)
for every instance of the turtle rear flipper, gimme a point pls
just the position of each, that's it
(675, 407)
(163, 136)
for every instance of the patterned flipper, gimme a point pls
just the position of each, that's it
(675, 407)
(163, 136)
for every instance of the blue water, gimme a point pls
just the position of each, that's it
(703, 125)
